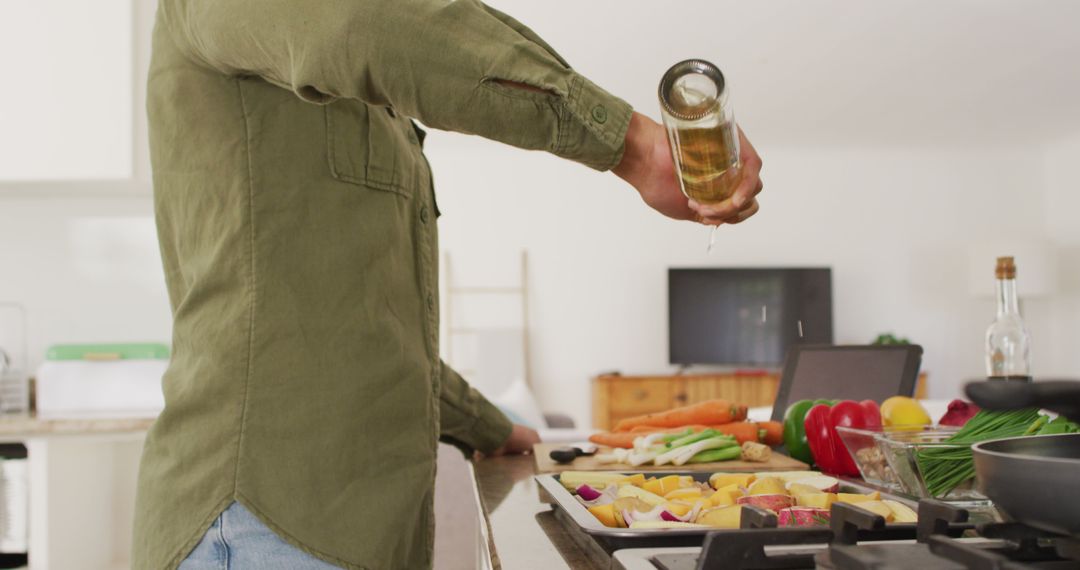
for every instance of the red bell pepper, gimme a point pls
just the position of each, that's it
(825, 444)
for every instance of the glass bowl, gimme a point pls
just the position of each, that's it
(901, 449)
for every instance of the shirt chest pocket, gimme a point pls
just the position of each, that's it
(369, 147)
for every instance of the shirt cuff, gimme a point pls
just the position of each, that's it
(492, 428)
(592, 125)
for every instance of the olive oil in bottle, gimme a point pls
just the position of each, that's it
(705, 169)
(700, 125)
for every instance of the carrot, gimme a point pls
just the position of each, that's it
(774, 433)
(654, 429)
(610, 439)
(743, 431)
(709, 412)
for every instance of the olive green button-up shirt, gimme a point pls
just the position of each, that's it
(296, 218)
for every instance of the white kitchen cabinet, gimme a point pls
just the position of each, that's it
(81, 490)
(66, 110)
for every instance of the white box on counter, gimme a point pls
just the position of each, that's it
(92, 387)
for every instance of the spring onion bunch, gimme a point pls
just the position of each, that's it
(946, 468)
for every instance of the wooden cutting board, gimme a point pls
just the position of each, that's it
(544, 463)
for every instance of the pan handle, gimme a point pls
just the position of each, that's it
(1061, 396)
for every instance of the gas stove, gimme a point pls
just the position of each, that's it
(857, 539)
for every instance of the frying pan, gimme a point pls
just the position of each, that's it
(1034, 479)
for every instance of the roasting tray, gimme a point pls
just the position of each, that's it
(581, 522)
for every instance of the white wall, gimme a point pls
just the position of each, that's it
(895, 224)
(1062, 218)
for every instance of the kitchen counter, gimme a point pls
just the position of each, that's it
(523, 531)
(24, 427)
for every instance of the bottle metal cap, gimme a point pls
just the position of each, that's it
(691, 89)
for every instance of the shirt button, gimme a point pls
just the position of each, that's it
(423, 214)
(599, 114)
(430, 302)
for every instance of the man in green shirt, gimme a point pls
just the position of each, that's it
(297, 223)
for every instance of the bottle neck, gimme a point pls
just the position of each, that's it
(1006, 298)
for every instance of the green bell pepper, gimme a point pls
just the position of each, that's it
(795, 429)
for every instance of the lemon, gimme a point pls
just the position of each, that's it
(903, 411)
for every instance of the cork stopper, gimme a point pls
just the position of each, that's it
(1006, 268)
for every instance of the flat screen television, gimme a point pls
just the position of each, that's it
(751, 316)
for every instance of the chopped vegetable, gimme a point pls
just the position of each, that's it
(901, 512)
(766, 486)
(817, 483)
(595, 479)
(802, 516)
(678, 501)
(588, 493)
(605, 514)
(640, 494)
(723, 517)
(709, 412)
(774, 502)
(720, 480)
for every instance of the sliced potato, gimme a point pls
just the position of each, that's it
(857, 497)
(801, 489)
(685, 494)
(878, 508)
(723, 517)
(678, 509)
(595, 479)
(641, 494)
(901, 512)
(768, 486)
(718, 480)
(605, 514)
(816, 500)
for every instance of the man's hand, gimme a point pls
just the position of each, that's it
(648, 167)
(521, 440)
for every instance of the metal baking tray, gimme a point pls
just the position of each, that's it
(580, 521)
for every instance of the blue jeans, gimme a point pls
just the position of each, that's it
(239, 541)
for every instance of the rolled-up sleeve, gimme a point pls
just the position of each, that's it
(467, 418)
(444, 63)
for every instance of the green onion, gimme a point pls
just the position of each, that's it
(722, 454)
(946, 468)
(694, 438)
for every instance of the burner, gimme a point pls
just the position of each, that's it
(857, 539)
(883, 557)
